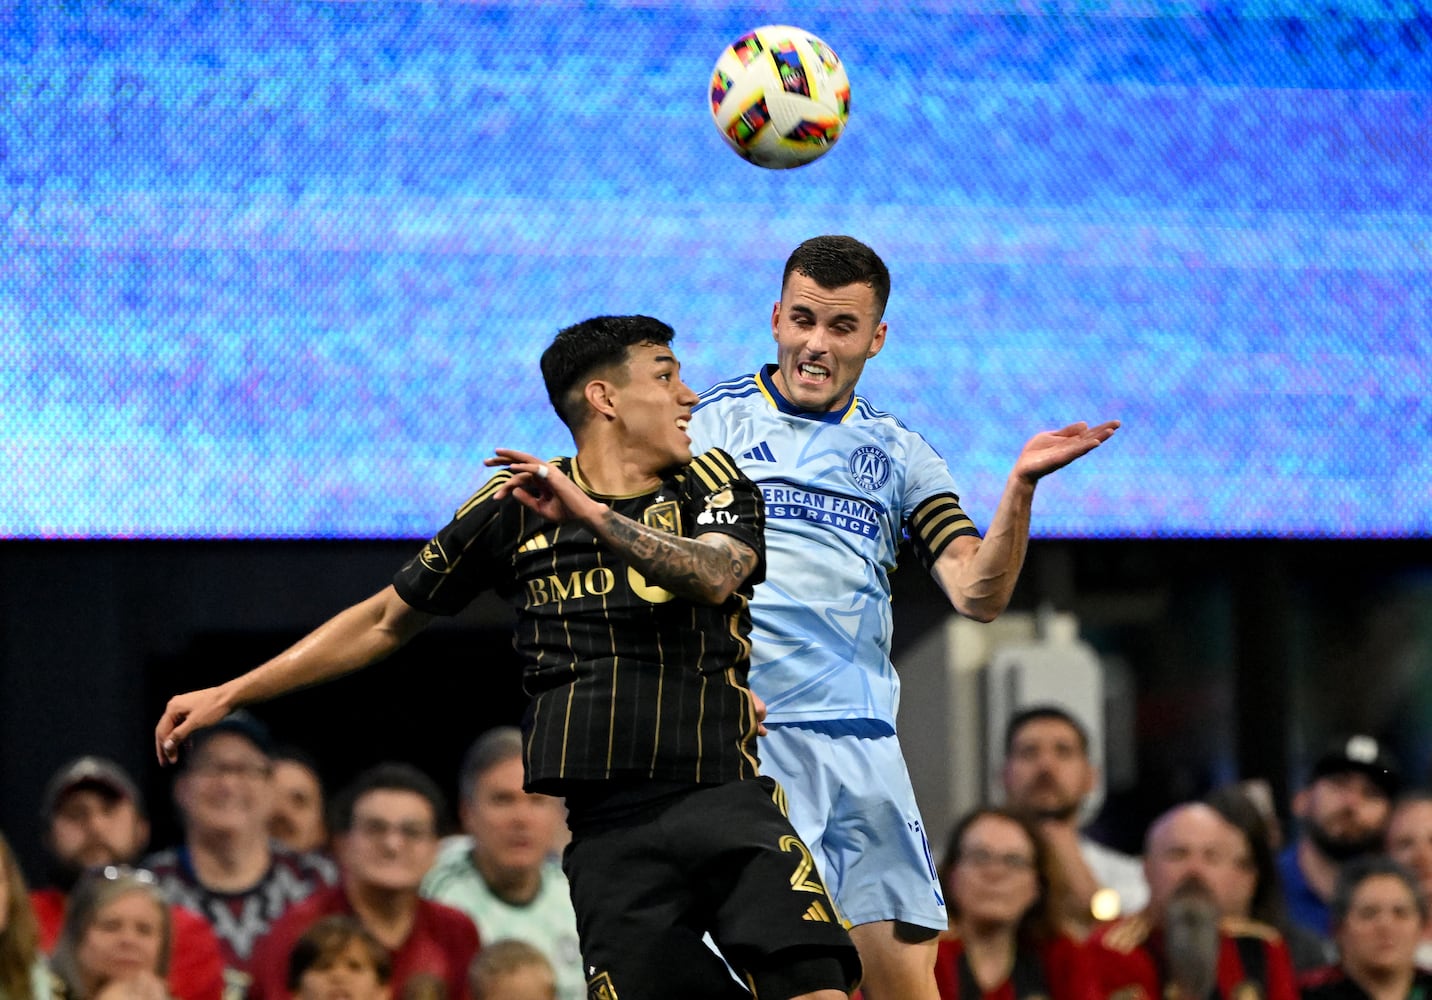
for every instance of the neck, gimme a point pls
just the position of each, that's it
(989, 948)
(514, 886)
(1383, 984)
(229, 861)
(388, 914)
(612, 470)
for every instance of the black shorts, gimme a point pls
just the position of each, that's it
(718, 859)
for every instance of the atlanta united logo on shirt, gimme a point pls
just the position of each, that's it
(871, 468)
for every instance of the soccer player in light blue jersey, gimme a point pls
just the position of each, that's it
(843, 483)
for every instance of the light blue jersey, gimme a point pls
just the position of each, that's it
(841, 490)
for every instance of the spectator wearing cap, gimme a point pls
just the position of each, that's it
(1342, 815)
(95, 818)
(227, 869)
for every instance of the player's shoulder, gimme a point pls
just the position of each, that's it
(732, 389)
(712, 470)
(864, 410)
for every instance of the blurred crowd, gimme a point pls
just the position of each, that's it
(279, 889)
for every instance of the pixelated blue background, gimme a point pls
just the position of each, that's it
(284, 270)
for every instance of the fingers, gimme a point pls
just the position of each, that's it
(169, 735)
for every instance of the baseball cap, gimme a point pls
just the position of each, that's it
(240, 723)
(99, 773)
(1364, 754)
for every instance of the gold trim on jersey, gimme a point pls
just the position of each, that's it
(483, 493)
(1247, 927)
(1127, 934)
(700, 729)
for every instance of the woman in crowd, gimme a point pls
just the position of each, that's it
(1378, 914)
(1409, 843)
(1005, 942)
(114, 944)
(336, 959)
(1254, 890)
(22, 968)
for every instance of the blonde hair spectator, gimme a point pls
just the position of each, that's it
(19, 933)
(511, 970)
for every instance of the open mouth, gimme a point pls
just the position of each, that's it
(816, 373)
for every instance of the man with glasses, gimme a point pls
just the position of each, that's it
(228, 870)
(386, 839)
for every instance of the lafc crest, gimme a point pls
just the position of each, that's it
(664, 516)
(600, 987)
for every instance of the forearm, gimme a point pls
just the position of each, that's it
(697, 570)
(352, 639)
(984, 583)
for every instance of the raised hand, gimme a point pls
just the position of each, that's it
(542, 488)
(1049, 451)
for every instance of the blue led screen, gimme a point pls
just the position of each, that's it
(285, 270)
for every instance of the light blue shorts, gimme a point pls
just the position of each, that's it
(850, 799)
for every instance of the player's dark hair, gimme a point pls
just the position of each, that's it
(1040, 713)
(387, 777)
(581, 350)
(837, 261)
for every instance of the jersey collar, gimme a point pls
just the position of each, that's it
(767, 384)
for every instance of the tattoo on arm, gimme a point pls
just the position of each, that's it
(708, 569)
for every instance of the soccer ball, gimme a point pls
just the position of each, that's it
(780, 96)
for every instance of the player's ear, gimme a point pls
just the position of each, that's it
(599, 397)
(775, 320)
(878, 342)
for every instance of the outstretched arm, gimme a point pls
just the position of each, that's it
(354, 638)
(708, 569)
(978, 575)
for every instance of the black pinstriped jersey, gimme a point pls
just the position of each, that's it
(626, 679)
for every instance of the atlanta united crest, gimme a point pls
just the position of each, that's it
(871, 468)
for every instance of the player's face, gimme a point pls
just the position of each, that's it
(124, 939)
(823, 337)
(227, 788)
(1047, 771)
(393, 842)
(91, 828)
(348, 975)
(297, 818)
(1409, 841)
(994, 882)
(514, 831)
(654, 406)
(1380, 932)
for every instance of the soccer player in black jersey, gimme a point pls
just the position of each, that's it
(630, 567)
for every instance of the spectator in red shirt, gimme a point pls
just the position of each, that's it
(95, 819)
(1002, 887)
(385, 839)
(1180, 946)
